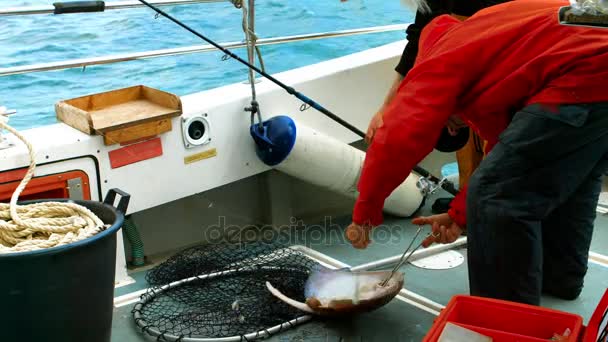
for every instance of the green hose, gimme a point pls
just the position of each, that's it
(137, 246)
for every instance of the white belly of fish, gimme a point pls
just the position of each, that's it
(344, 291)
(336, 286)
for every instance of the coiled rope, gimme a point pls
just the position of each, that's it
(45, 224)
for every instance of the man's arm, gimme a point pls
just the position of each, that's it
(408, 58)
(458, 206)
(393, 90)
(413, 122)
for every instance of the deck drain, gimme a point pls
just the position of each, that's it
(441, 261)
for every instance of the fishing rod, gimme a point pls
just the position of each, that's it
(446, 185)
(287, 88)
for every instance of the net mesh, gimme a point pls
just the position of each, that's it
(219, 291)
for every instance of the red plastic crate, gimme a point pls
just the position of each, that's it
(597, 329)
(505, 321)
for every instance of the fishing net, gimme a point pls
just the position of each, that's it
(218, 292)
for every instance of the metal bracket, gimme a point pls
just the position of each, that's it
(75, 189)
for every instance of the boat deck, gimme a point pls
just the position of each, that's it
(399, 320)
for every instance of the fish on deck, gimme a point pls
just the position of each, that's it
(344, 292)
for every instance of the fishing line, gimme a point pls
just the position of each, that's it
(446, 185)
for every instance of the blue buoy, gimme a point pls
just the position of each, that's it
(274, 139)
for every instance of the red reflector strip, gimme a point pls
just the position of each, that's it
(135, 153)
(13, 175)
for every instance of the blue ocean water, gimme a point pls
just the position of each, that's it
(44, 38)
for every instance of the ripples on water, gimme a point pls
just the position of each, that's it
(45, 38)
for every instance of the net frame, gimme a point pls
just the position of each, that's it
(155, 291)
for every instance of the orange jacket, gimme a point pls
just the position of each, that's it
(484, 69)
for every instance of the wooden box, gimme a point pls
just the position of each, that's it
(123, 115)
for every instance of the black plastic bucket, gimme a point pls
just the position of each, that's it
(63, 293)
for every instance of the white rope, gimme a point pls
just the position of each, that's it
(44, 224)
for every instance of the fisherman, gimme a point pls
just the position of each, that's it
(535, 90)
(468, 147)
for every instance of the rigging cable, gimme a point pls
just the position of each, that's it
(252, 49)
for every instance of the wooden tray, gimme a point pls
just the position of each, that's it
(121, 115)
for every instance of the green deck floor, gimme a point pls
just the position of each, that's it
(398, 321)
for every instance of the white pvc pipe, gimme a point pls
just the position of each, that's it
(329, 163)
(423, 253)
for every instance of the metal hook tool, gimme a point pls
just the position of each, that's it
(402, 260)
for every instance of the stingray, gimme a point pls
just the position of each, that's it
(342, 292)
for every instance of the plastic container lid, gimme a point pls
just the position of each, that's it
(456, 333)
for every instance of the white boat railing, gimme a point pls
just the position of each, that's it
(109, 5)
(116, 58)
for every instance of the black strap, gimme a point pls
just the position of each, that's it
(79, 7)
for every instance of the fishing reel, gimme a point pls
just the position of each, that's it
(427, 186)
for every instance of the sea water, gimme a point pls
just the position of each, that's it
(26, 40)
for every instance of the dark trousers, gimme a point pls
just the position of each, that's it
(531, 204)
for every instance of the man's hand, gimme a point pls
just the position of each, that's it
(374, 124)
(358, 235)
(445, 230)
